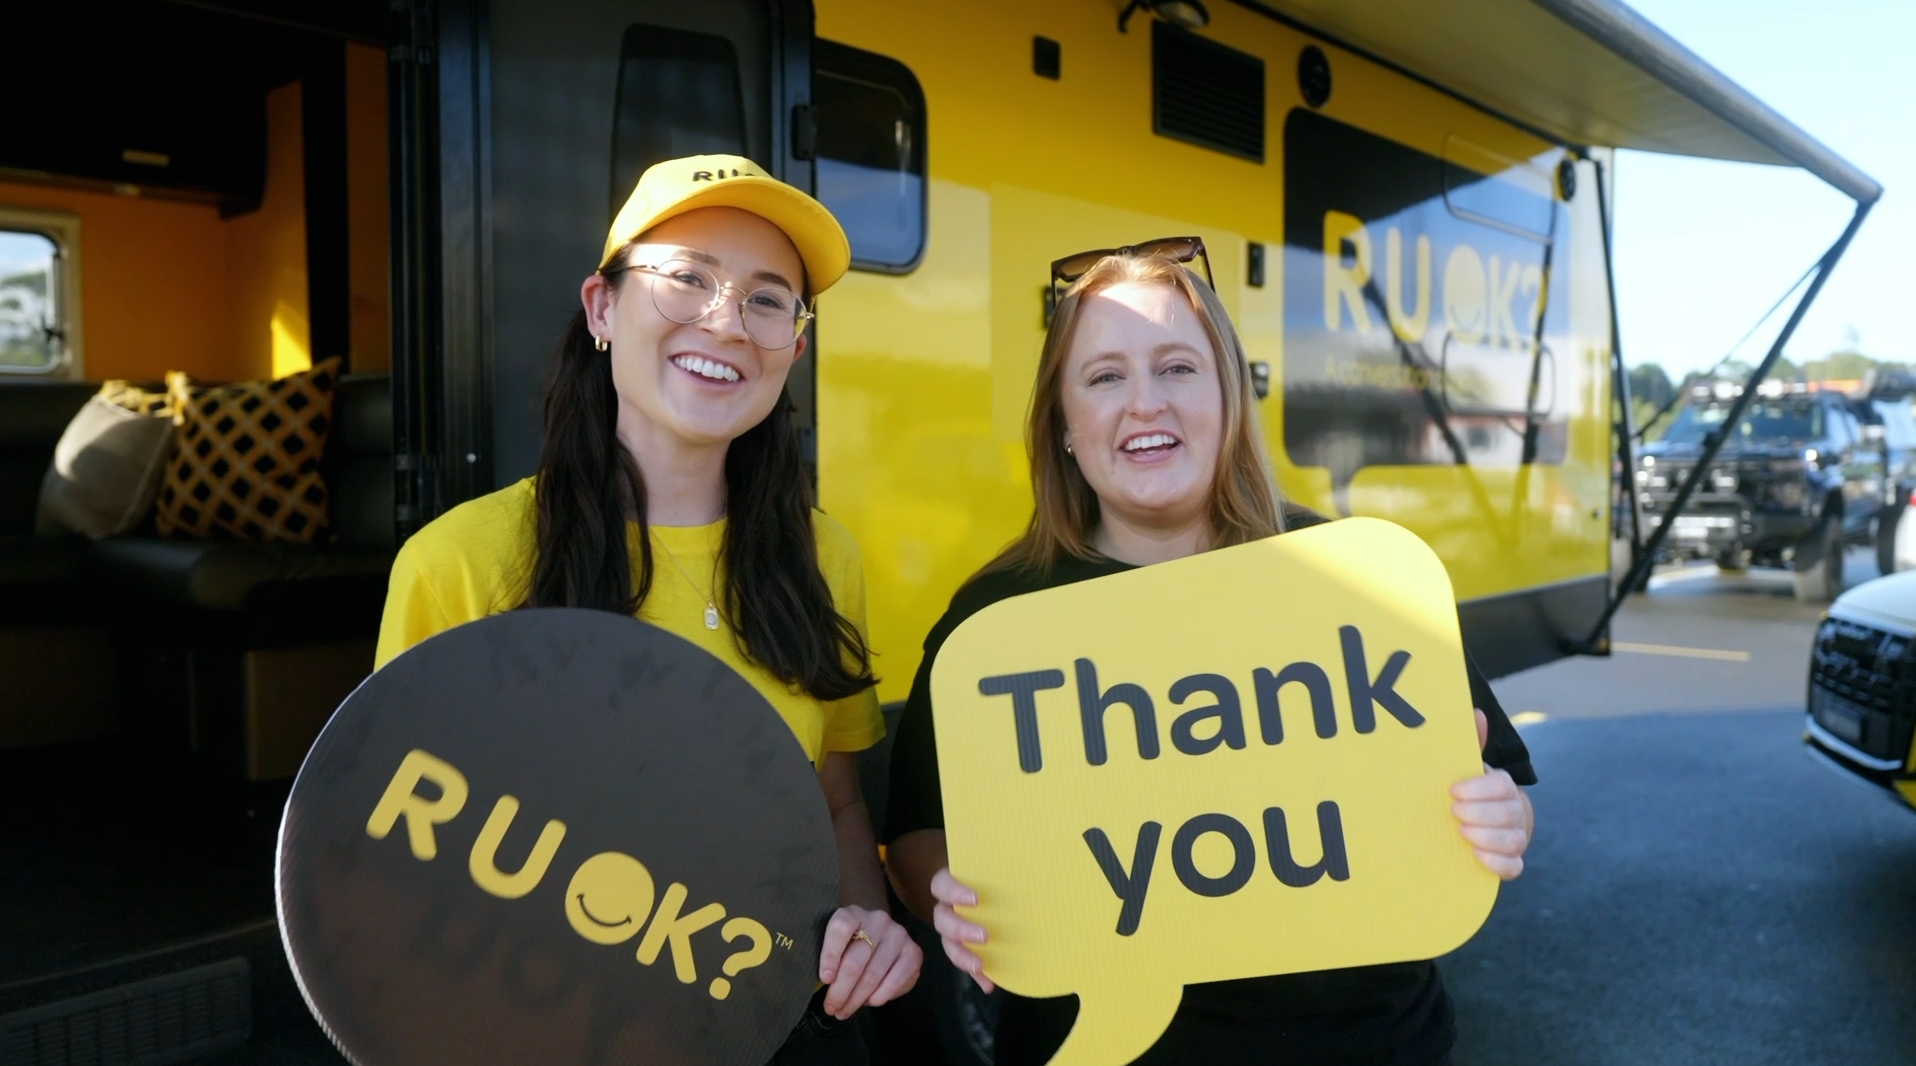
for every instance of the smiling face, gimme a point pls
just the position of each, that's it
(1143, 408)
(609, 898)
(704, 382)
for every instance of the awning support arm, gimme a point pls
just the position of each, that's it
(1596, 642)
(1626, 433)
(1705, 375)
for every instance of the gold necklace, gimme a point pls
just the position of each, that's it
(711, 608)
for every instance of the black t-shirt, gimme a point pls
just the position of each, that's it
(1391, 1015)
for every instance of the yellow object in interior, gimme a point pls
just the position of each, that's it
(266, 254)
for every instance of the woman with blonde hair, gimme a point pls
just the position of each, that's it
(1145, 447)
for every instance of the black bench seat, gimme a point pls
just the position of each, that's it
(226, 628)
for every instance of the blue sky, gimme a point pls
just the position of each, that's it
(1703, 248)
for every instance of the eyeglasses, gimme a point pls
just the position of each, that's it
(685, 292)
(1178, 249)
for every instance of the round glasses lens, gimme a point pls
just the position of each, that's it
(771, 317)
(683, 292)
(686, 292)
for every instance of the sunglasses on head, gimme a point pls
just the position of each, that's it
(1177, 249)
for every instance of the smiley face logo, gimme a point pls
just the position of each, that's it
(609, 898)
(1466, 294)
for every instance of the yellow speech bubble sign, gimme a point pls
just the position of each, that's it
(1227, 766)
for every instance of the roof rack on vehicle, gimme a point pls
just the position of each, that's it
(1884, 383)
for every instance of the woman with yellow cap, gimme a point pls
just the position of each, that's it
(670, 487)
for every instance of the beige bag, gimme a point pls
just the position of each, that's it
(106, 471)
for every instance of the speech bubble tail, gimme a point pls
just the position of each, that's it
(1117, 1024)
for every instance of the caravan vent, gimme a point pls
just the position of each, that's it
(1206, 93)
(160, 1020)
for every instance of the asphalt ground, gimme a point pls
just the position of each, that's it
(1699, 890)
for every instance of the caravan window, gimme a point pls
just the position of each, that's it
(1899, 425)
(679, 95)
(871, 154)
(32, 326)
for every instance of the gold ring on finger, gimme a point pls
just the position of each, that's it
(866, 937)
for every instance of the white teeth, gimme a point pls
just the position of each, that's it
(705, 368)
(1149, 440)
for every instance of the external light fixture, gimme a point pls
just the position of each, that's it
(1185, 14)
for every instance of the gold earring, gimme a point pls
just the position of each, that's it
(600, 343)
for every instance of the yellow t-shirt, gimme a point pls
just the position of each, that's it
(476, 560)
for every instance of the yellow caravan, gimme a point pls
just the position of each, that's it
(1405, 204)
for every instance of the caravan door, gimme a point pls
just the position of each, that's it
(547, 115)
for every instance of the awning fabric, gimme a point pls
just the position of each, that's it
(1587, 72)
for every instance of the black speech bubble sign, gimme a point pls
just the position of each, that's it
(643, 746)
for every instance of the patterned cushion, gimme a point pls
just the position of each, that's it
(248, 460)
(105, 470)
(137, 400)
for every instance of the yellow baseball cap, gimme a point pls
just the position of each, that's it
(669, 189)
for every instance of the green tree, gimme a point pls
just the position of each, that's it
(33, 282)
(1842, 365)
(23, 337)
(1650, 384)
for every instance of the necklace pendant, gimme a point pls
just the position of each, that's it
(711, 616)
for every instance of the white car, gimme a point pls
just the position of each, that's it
(1862, 694)
(1900, 543)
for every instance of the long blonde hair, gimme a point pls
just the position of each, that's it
(1245, 505)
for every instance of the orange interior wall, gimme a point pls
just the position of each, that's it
(153, 282)
(267, 310)
(166, 285)
(368, 225)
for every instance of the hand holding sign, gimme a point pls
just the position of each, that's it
(561, 837)
(1493, 814)
(1227, 766)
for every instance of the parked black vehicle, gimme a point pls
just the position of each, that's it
(1887, 416)
(1798, 478)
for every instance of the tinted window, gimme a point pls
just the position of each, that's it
(1415, 334)
(1842, 428)
(1763, 421)
(679, 95)
(1483, 186)
(871, 153)
(1899, 426)
(31, 333)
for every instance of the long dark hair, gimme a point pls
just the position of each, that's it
(589, 487)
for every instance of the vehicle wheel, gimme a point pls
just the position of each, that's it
(1731, 561)
(1886, 540)
(1819, 562)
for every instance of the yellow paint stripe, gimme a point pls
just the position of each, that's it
(1528, 717)
(1682, 653)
